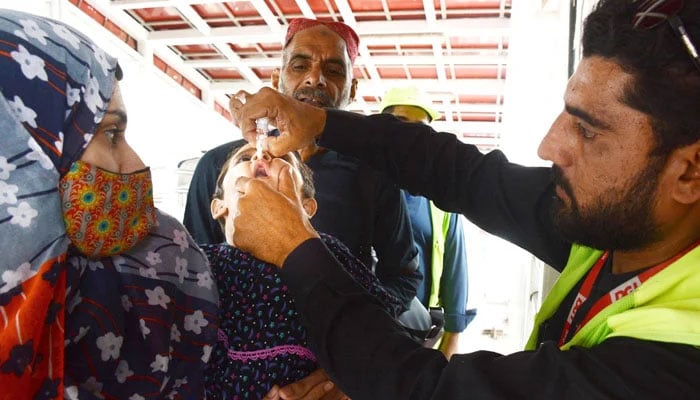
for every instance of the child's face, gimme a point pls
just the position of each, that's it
(267, 168)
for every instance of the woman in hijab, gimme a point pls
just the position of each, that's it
(101, 295)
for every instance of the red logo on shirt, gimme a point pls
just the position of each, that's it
(574, 307)
(624, 289)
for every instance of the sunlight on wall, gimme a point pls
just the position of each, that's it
(498, 290)
(505, 282)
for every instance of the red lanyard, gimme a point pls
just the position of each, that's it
(613, 295)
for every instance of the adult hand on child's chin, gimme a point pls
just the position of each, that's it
(270, 222)
(316, 386)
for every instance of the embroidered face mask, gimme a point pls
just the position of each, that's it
(106, 213)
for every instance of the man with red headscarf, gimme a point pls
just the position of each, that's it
(355, 204)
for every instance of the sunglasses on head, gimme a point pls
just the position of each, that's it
(652, 13)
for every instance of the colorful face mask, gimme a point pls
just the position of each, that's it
(106, 213)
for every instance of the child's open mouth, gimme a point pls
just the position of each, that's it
(260, 170)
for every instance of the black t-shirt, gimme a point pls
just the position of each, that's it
(551, 329)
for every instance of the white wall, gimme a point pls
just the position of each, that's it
(505, 282)
(537, 75)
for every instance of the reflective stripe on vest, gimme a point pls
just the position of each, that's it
(666, 308)
(440, 222)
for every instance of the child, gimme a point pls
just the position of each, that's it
(261, 342)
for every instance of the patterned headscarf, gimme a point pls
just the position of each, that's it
(130, 326)
(352, 41)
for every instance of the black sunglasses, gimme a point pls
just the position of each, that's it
(651, 13)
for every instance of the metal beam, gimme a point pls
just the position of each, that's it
(227, 64)
(349, 18)
(235, 60)
(267, 16)
(429, 9)
(272, 62)
(133, 4)
(195, 19)
(306, 10)
(449, 110)
(439, 61)
(372, 32)
(477, 87)
(236, 34)
(463, 27)
(123, 20)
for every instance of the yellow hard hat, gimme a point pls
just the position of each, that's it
(408, 96)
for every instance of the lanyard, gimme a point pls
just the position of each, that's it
(613, 295)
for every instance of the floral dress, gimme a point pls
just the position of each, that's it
(261, 341)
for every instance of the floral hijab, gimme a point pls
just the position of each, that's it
(133, 326)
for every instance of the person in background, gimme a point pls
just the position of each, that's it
(261, 343)
(439, 236)
(618, 213)
(101, 295)
(356, 205)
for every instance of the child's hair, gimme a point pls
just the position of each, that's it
(308, 190)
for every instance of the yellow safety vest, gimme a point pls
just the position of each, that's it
(440, 221)
(665, 308)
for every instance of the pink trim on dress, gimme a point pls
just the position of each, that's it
(272, 352)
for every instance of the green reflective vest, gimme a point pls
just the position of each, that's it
(665, 308)
(440, 222)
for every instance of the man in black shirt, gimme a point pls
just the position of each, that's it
(355, 203)
(618, 213)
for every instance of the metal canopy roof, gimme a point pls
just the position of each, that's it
(456, 50)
